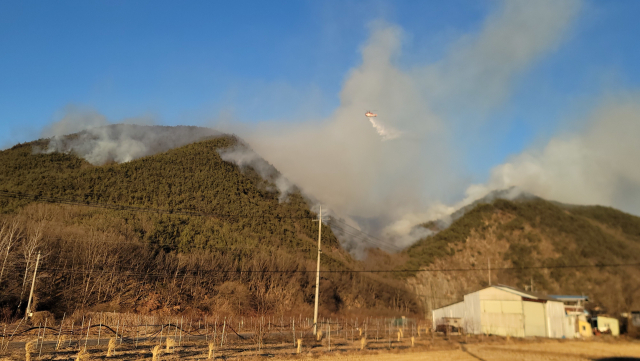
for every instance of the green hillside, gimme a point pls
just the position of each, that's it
(213, 236)
(533, 241)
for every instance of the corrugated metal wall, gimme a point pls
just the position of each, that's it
(499, 312)
(502, 318)
(555, 319)
(454, 310)
(473, 312)
(569, 326)
(535, 322)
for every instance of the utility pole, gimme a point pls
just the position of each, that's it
(33, 284)
(315, 309)
(489, 261)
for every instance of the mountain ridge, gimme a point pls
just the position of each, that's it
(255, 261)
(558, 248)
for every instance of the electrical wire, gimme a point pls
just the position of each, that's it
(199, 273)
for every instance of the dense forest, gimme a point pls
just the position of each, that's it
(176, 231)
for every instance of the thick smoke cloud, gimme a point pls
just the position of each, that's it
(593, 166)
(384, 184)
(100, 142)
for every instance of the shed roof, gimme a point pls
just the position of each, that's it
(526, 294)
(570, 298)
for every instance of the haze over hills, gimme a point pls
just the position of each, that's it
(197, 232)
(203, 222)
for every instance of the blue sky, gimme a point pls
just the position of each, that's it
(190, 62)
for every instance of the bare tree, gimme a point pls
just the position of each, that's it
(30, 248)
(9, 234)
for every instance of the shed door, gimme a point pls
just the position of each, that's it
(534, 319)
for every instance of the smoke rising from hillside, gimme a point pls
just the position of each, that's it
(244, 156)
(592, 166)
(407, 168)
(100, 142)
(387, 185)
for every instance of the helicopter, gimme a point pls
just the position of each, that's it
(368, 114)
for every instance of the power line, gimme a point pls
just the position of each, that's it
(198, 273)
(142, 243)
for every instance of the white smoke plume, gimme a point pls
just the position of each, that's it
(100, 142)
(387, 187)
(384, 132)
(243, 156)
(593, 166)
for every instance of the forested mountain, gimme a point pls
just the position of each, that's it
(183, 229)
(531, 241)
(186, 231)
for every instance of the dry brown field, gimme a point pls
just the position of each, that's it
(425, 348)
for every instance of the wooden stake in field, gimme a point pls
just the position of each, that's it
(81, 330)
(60, 332)
(99, 330)
(224, 326)
(71, 336)
(122, 333)
(44, 330)
(299, 345)
(4, 332)
(294, 332)
(87, 338)
(38, 336)
(260, 337)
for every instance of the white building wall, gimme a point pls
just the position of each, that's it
(555, 319)
(501, 313)
(569, 326)
(455, 310)
(473, 312)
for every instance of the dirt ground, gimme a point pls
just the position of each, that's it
(425, 348)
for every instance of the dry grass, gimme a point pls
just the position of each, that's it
(28, 348)
(212, 349)
(82, 355)
(111, 348)
(579, 349)
(452, 355)
(155, 352)
(171, 345)
(450, 348)
(61, 341)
